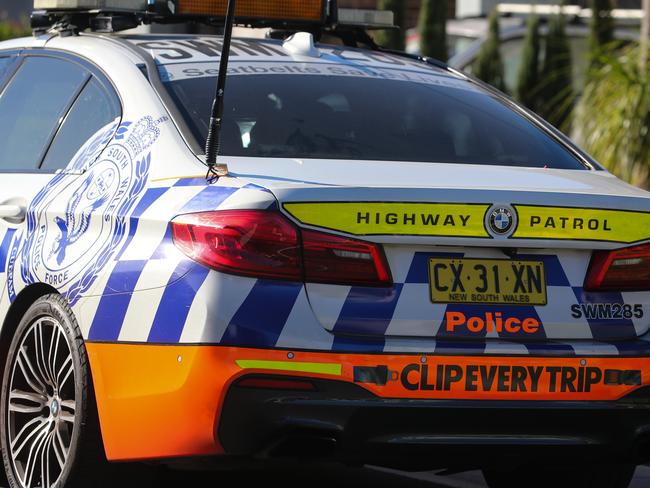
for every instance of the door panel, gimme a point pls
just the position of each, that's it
(40, 134)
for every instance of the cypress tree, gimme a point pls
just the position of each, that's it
(556, 96)
(528, 76)
(489, 65)
(601, 27)
(433, 29)
(393, 38)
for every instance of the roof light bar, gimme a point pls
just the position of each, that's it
(114, 15)
(309, 11)
(370, 19)
(105, 5)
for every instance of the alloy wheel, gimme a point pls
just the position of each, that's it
(41, 405)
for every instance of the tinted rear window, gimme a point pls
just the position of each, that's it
(5, 64)
(364, 118)
(94, 108)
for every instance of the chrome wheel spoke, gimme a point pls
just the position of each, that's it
(67, 417)
(29, 431)
(35, 452)
(45, 460)
(41, 358)
(54, 349)
(67, 410)
(29, 373)
(59, 448)
(64, 372)
(26, 402)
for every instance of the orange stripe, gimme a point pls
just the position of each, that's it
(153, 405)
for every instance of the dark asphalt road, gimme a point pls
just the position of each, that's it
(328, 477)
(340, 477)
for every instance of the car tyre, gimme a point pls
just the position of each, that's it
(586, 476)
(50, 432)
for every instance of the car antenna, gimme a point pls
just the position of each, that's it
(213, 140)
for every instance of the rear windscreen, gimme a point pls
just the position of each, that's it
(394, 117)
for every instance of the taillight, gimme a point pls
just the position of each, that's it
(266, 244)
(243, 242)
(333, 259)
(622, 270)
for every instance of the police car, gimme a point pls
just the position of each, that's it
(390, 263)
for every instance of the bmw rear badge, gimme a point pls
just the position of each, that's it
(501, 221)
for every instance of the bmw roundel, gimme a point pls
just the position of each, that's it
(500, 221)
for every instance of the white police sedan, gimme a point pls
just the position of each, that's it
(394, 265)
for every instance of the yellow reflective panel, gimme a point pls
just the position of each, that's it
(416, 219)
(582, 224)
(296, 10)
(297, 366)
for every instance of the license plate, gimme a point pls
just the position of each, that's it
(490, 281)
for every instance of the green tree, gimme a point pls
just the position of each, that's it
(489, 65)
(556, 83)
(433, 29)
(9, 30)
(528, 76)
(645, 35)
(613, 115)
(393, 38)
(601, 28)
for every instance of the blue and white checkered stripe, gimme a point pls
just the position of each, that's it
(215, 308)
(152, 293)
(405, 310)
(142, 293)
(6, 237)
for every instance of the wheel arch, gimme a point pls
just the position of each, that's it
(17, 309)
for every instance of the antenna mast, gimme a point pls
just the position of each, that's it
(213, 141)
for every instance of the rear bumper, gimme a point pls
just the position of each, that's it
(345, 422)
(167, 401)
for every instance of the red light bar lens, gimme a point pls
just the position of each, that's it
(289, 10)
(621, 270)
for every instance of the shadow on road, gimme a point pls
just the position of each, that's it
(310, 476)
(334, 477)
(303, 477)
